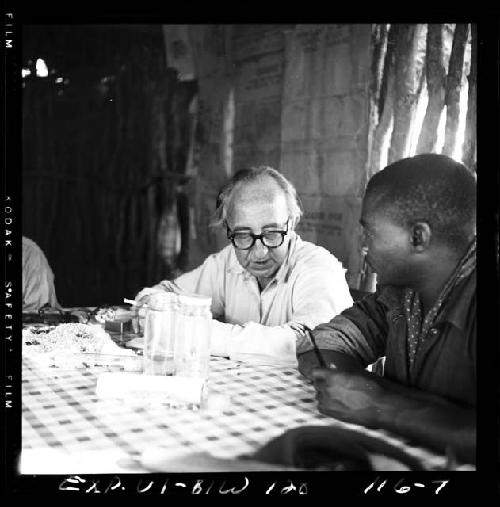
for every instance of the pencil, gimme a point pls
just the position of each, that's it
(134, 303)
(315, 347)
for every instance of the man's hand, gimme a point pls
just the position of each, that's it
(139, 312)
(354, 397)
(372, 401)
(308, 361)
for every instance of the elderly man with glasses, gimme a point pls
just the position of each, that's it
(268, 286)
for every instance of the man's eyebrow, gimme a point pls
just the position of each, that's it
(249, 229)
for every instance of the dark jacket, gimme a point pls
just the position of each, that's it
(445, 363)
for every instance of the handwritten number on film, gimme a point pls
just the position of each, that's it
(201, 486)
(377, 485)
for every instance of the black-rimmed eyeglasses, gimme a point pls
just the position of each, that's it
(244, 240)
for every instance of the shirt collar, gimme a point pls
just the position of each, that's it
(455, 309)
(284, 269)
(390, 295)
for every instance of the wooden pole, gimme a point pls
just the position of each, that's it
(435, 73)
(380, 37)
(406, 87)
(454, 85)
(379, 46)
(469, 154)
(385, 102)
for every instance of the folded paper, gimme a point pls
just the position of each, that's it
(132, 386)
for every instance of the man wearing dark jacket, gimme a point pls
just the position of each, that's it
(419, 223)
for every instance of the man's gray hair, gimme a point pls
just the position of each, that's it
(250, 175)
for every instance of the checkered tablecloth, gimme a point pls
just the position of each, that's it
(66, 428)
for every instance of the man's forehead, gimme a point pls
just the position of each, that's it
(262, 209)
(263, 186)
(265, 191)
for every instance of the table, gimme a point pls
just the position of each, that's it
(67, 429)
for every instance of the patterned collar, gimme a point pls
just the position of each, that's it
(455, 308)
(419, 325)
(461, 290)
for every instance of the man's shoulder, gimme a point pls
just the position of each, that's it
(224, 259)
(223, 253)
(31, 249)
(29, 243)
(310, 254)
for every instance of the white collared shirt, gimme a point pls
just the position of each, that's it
(260, 327)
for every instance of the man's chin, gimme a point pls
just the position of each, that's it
(262, 271)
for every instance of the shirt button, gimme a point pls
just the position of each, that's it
(434, 332)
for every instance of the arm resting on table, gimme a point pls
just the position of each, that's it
(429, 419)
(309, 360)
(349, 393)
(255, 343)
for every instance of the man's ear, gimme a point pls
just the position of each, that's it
(420, 236)
(293, 223)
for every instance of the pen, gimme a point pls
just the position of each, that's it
(132, 302)
(315, 346)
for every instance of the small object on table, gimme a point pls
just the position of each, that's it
(105, 314)
(136, 343)
(47, 318)
(127, 363)
(118, 325)
(173, 391)
(75, 346)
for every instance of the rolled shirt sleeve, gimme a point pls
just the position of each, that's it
(317, 290)
(359, 331)
(320, 293)
(255, 343)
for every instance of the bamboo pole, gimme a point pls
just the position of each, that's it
(469, 153)
(406, 87)
(453, 86)
(435, 73)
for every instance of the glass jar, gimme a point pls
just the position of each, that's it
(192, 340)
(159, 334)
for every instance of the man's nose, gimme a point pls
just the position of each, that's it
(259, 250)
